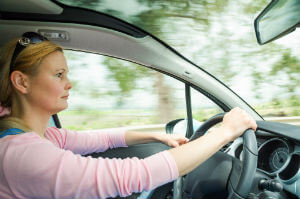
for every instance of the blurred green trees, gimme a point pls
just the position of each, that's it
(216, 35)
(289, 66)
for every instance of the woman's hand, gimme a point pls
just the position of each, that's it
(236, 122)
(172, 140)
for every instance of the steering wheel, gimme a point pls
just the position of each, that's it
(240, 179)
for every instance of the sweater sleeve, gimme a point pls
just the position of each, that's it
(86, 142)
(41, 170)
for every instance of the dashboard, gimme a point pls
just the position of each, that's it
(278, 165)
(278, 157)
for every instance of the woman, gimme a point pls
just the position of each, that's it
(41, 162)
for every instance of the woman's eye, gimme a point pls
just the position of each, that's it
(59, 75)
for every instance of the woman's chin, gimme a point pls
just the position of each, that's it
(64, 108)
(60, 109)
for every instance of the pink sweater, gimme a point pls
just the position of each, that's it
(32, 167)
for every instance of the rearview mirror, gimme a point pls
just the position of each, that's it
(279, 18)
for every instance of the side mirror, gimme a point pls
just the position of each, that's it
(179, 126)
(279, 18)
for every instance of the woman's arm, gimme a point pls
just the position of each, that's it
(192, 154)
(132, 138)
(88, 141)
(35, 168)
(99, 141)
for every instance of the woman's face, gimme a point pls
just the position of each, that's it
(49, 89)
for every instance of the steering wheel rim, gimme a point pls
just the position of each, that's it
(239, 186)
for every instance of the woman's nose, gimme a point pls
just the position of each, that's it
(68, 85)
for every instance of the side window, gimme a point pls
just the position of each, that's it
(202, 107)
(110, 93)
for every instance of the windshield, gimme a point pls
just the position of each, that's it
(219, 37)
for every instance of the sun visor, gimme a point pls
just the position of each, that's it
(30, 6)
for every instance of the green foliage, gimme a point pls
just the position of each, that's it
(126, 75)
(70, 55)
(290, 66)
(89, 119)
(226, 55)
(252, 7)
(204, 114)
(280, 107)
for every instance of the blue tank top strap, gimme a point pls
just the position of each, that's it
(11, 131)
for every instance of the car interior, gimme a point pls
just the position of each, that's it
(264, 164)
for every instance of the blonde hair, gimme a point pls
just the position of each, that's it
(28, 62)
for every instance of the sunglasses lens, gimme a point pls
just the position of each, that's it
(34, 37)
(35, 40)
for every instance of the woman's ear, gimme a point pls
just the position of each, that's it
(20, 81)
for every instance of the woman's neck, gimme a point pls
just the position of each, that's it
(36, 120)
(37, 124)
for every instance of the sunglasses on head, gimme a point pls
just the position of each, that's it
(27, 38)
